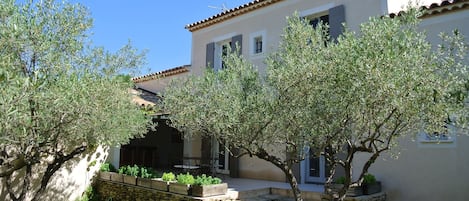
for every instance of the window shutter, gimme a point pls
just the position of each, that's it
(210, 55)
(336, 18)
(238, 39)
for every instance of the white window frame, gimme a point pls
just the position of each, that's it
(218, 53)
(252, 43)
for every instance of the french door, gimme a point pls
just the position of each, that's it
(315, 168)
(222, 156)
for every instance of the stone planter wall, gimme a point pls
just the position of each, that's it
(108, 190)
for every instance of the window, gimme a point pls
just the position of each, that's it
(257, 41)
(438, 139)
(314, 21)
(215, 51)
(258, 44)
(329, 14)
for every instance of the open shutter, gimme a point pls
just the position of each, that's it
(336, 18)
(237, 40)
(210, 55)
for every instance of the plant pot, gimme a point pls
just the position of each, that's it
(105, 176)
(144, 182)
(351, 192)
(116, 177)
(159, 184)
(209, 190)
(184, 189)
(130, 180)
(369, 189)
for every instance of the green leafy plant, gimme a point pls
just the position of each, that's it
(340, 180)
(107, 167)
(122, 169)
(185, 179)
(168, 176)
(204, 180)
(88, 195)
(132, 170)
(369, 179)
(145, 173)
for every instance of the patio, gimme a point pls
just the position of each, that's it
(253, 190)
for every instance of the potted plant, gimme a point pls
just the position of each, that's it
(208, 186)
(144, 178)
(162, 183)
(183, 184)
(130, 174)
(370, 185)
(351, 192)
(105, 171)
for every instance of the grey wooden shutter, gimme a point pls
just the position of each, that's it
(238, 39)
(336, 18)
(210, 55)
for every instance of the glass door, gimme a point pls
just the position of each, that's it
(221, 157)
(315, 168)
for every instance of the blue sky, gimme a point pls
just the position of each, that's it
(155, 25)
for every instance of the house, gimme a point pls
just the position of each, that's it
(426, 169)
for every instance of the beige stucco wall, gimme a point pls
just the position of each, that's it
(271, 20)
(435, 172)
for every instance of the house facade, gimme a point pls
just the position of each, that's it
(426, 169)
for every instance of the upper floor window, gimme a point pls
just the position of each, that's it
(257, 41)
(329, 14)
(216, 51)
(258, 44)
(447, 138)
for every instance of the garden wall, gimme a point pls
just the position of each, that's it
(123, 192)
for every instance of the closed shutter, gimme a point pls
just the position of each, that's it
(237, 40)
(210, 55)
(336, 18)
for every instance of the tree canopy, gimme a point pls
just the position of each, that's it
(354, 94)
(60, 96)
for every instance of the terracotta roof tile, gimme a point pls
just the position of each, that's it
(161, 74)
(438, 8)
(228, 14)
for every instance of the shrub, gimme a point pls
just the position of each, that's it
(168, 176)
(185, 179)
(132, 170)
(122, 169)
(204, 180)
(107, 167)
(340, 180)
(145, 173)
(369, 179)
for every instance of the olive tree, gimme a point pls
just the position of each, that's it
(356, 94)
(59, 95)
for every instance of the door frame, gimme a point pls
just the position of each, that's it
(305, 166)
(215, 154)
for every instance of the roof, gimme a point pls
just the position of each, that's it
(161, 74)
(438, 8)
(231, 13)
(435, 8)
(144, 98)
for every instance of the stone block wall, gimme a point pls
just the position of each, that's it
(114, 191)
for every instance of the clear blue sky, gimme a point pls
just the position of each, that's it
(155, 25)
